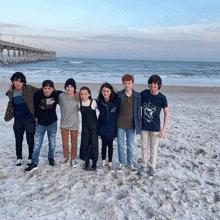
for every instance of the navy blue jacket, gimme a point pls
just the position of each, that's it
(137, 109)
(107, 121)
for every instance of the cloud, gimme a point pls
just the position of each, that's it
(121, 38)
(174, 42)
(185, 12)
(185, 39)
(185, 32)
(7, 25)
(60, 39)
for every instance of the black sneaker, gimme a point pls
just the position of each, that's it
(132, 169)
(51, 161)
(66, 160)
(31, 167)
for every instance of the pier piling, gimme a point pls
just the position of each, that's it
(24, 54)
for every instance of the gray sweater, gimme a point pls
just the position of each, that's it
(69, 112)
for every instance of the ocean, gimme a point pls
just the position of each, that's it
(90, 70)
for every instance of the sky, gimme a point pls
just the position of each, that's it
(140, 29)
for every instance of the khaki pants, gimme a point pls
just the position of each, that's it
(65, 139)
(149, 138)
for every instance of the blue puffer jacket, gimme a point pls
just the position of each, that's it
(107, 121)
(137, 109)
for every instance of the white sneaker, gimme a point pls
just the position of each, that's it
(18, 162)
(120, 168)
(74, 163)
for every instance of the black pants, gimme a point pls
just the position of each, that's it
(106, 143)
(19, 128)
(89, 143)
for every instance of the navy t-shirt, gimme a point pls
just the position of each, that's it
(151, 108)
(21, 111)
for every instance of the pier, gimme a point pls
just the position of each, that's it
(23, 54)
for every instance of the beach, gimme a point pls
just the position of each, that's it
(186, 184)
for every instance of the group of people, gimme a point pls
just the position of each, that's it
(122, 113)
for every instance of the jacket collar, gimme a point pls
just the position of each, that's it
(122, 92)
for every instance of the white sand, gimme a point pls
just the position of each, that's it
(187, 184)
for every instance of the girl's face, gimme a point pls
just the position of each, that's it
(106, 92)
(84, 95)
(70, 90)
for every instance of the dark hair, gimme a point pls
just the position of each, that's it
(88, 90)
(71, 82)
(155, 79)
(18, 75)
(113, 95)
(127, 77)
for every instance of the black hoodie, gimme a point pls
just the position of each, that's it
(45, 107)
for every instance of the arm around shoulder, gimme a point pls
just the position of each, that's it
(94, 104)
(9, 93)
(139, 101)
(9, 114)
(37, 98)
(32, 88)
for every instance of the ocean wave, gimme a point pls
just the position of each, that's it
(173, 76)
(188, 74)
(99, 70)
(75, 62)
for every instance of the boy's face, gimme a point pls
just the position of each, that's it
(48, 91)
(18, 84)
(128, 85)
(70, 89)
(153, 87)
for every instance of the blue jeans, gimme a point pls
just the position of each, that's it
(38, 140)
(130, 135)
